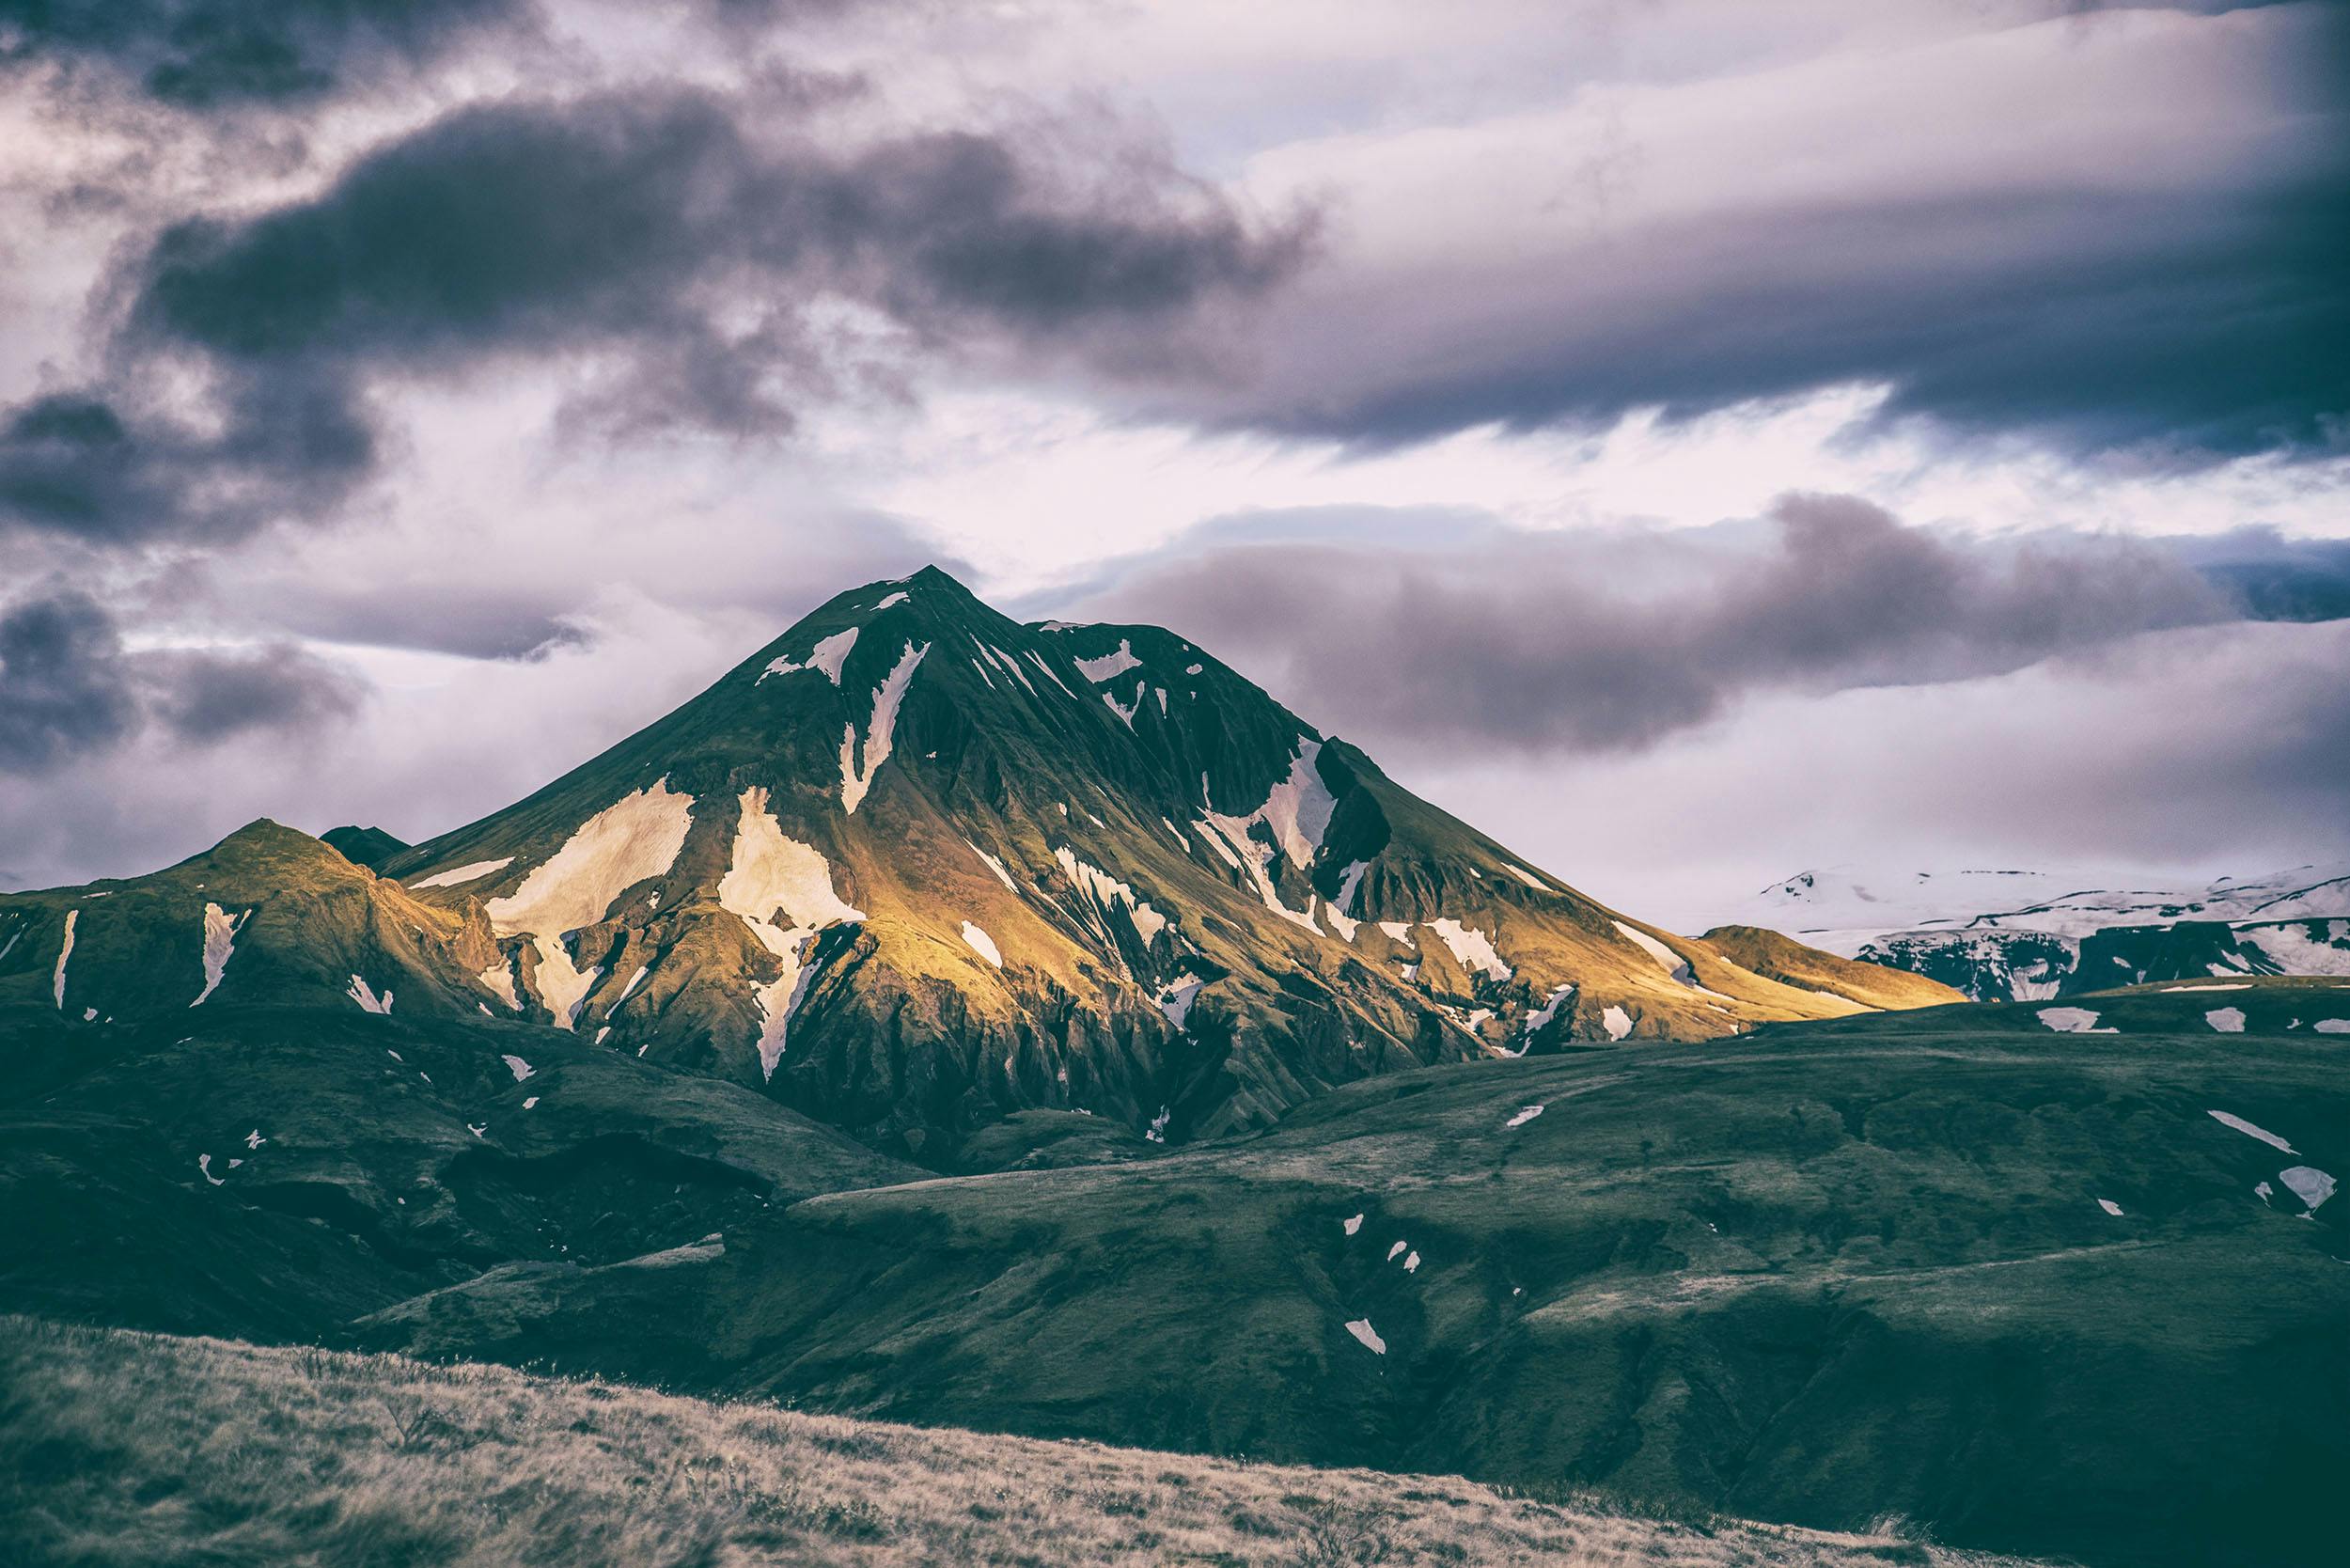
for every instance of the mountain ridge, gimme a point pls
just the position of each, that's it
(2026, 935)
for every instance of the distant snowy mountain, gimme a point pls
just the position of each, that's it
(2027, 935)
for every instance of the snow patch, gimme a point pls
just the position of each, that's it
(1528, 877)
(898, 598)
(1470, 948)
(1002, 874)
(2310, 1186)
(531, 1103)
(1399, 930)
(2226, 1020)
(782, 890)
(828, 655)
(2073, 1020)
(2332, 1026)
(981, 944)
(1411, 1263)
(1666, 960)
(635, 838)
(471, 871)
(1296, 810)
(204, 1164)
(1525, 1114)
(1175, 999)
(1109, 667)
(499, 979)
(365, 995)
(1617, 1022)
(1549, 1010)
(1038, 659)
(520, 1068)
(1368, 1336)
(220, 940)
(771, 872)
(1351, 1226)
(56, 985)
(2110, 1207)
(561, 984)
(1103, 892)
(880, 731)
(1215, 840)
(2248, 1130)
(1396, 1251)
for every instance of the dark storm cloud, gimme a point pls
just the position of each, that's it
(199, 53)
(2217, 324)
(64, 687)
(70, 688)
(213, 695)
(1539, 644)
(2276, 579)
(2073, 282)
(646, 232)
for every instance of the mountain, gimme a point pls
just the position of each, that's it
(363, 846)
(2026, 935)
(914, 868)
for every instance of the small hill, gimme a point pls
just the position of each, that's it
(1783, 959)
(269, 914)
(165, 1450)
(364, 846)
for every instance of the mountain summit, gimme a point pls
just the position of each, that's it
(915, 867)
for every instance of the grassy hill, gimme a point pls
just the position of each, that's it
(123, 1449)
(1956, 1264)
(1782, 958)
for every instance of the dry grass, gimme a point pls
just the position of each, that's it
(119, 1448)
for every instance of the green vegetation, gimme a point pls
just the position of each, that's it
(126, 1449)
(1823, 1274)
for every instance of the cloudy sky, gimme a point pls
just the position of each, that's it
(1695, 440)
